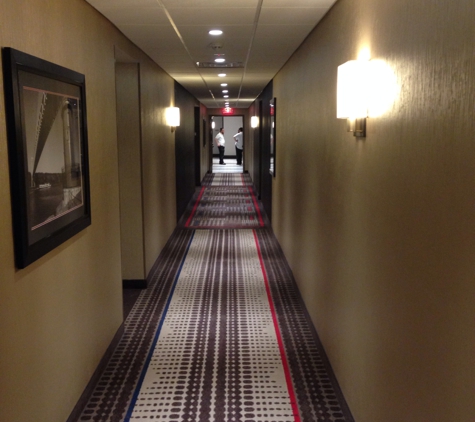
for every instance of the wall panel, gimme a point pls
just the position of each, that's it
(59, 314)
(380, 232)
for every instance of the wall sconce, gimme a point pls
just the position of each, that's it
(254, 121)
(213, 124)
(352, 95)
(366, 88)
(172, 117)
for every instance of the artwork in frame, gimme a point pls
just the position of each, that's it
(272, 115)
(47, 146)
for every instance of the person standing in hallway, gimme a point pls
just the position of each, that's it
(239, 145)
(220, 144)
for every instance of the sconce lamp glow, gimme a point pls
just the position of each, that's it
(254, 121)
(172, 117)
(352, 90)
(352, 95)
(366, 88)
(213, 124)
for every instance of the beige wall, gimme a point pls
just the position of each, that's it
(59, 314)
(380, 233)
(130, 171)
(158, 161)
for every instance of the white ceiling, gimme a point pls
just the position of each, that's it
(259, 34)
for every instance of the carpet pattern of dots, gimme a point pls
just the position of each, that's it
(225, 207)
(220, 335)
(217, 356)
(227, 179)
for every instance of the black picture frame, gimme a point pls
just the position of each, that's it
(45, 108)
(272, 138)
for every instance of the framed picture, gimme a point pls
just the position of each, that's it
(47, 146)
(272, 113)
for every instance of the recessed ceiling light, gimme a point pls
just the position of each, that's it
(222, 75)
(225, 96)
(219, 60)
(215, 32)
(224, 84)
(225, 91)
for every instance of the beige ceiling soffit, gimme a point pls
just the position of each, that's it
(256, 21)
(172, 23)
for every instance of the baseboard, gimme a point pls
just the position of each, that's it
(83, 400)
(134, 284)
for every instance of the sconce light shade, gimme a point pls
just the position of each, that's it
(353, 94)
(172, 116)
(364, 88)
(213, 124)
(352, 90)
(254, 121)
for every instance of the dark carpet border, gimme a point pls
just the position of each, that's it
(96, 376)
(272, 252)
(160, 280)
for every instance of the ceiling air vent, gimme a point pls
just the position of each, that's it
(220, 65)
(216, 46)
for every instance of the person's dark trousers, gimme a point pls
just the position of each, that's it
(239, 156)
(221, 155)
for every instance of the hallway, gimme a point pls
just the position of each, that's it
(229, 167)
(221, 333)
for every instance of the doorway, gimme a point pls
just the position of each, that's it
(231, 125)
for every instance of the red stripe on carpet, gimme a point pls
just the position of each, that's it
(194, 208)
(285, 364)
(256, 206)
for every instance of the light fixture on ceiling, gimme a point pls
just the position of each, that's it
(225, 91)
(215, 32)
(352, 95)
(172, 117)
(219, 60)
(225, 96)
(254, 121)
(224, 84)
(221, 75)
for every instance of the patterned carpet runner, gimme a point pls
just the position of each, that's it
(220, 334)
(225, 207)
(227, 179)
(217, 325)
